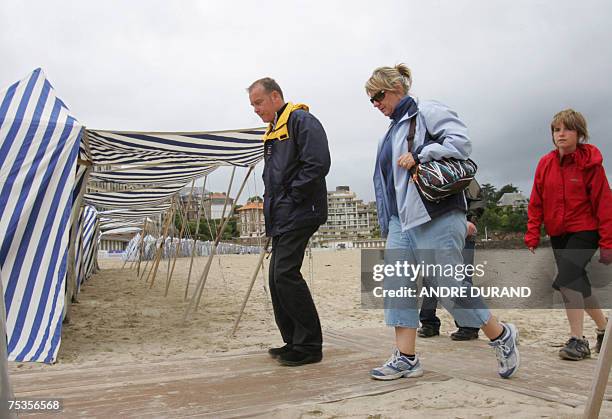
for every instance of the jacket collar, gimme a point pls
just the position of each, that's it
(278, 129)
(412, 110)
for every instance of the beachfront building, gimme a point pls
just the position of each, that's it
(191, 202)
(514, 200)
(212, 205)
(251, 221)
(349, 220)
(216, 203)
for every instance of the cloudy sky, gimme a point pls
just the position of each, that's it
(505, 66)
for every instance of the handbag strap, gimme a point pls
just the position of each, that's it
(410, 139)
(411, 131)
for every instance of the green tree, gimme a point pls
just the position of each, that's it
(488, 194)
(509, 188)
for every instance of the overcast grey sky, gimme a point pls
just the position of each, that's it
(505, 66)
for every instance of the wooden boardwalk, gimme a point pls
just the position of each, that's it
(250, 384)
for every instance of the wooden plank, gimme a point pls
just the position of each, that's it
(222, 387)
(541, 375)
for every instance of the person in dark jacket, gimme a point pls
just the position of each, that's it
(297, 160)
(430, 322)
(572, 197)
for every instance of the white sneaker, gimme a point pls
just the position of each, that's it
(398, 366)
(506, 351)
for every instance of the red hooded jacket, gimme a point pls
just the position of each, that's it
(570, 195)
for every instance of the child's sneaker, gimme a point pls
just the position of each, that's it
(506, 352)
(575, 349)
(600, 338)
(398, 366)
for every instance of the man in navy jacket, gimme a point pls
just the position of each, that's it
(297, 160)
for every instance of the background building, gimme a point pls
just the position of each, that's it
(349, 220)
(251, 223)
(514, 200)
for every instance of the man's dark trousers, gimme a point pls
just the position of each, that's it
(294, 310)
(427, 315)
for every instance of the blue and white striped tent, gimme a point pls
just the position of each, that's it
(40, 142)
(39, 146)
(87, 245)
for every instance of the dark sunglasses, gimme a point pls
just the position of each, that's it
(377, 97)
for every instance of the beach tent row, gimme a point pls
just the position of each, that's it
(46, 158)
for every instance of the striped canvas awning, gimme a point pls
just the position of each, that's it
(39, 145)
(190, 149)
(154, 174)
(135, 198)
(136, 213)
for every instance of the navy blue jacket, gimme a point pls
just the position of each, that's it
(294, 176)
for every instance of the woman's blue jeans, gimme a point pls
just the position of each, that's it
(437, 243)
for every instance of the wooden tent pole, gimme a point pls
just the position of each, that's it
(195, 238)
(602, 372)
(161, 245)
(221, 227)
(185, 216)
(171, 250)
(197, 295)
(248, 293)
(141, 246)
(157, 232)
(74, 218)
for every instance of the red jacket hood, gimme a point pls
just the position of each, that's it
(586, 155)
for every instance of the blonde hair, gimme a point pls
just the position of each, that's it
(389, 79)
(572, 120)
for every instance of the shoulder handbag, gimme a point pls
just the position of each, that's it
(439, 179)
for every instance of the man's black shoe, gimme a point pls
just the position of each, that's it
(294, 358)
(464, 333)
(276, 352)
(427, 332)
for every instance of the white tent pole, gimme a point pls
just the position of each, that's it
(195, 238)
(248, 293)
(70, 273)
(602, 372)
(195, 299)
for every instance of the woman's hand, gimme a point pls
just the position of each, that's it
(406, 161)
(471, 229)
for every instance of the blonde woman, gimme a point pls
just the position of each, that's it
(417, 229)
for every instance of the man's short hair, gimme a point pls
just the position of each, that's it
(269, 85)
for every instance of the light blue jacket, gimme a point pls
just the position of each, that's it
(439, 133)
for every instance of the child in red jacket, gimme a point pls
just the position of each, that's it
(572, 197)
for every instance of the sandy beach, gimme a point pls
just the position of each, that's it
(119, 319)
